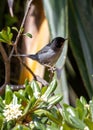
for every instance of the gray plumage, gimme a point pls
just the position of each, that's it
(49, 54)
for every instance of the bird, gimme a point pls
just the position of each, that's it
(49, 54)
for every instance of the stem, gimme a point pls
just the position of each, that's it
(20, 30)
(7, 67)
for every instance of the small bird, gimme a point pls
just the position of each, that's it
(49, 54)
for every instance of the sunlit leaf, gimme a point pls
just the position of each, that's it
(81, 40)
(28, 35)
(6, 36)
(14, 28)
(8, 95)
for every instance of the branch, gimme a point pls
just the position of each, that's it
(20, 30)
(36, 77)
(7, 66)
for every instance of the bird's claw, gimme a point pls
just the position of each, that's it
(52, 69)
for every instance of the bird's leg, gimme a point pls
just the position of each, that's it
(50, 68)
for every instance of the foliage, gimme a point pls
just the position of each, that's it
(34, 108)
(6, 36)
(57, 16)
(80, 15)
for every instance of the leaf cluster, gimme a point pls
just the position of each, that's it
(40, 113)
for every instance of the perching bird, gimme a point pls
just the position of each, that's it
(49, 54)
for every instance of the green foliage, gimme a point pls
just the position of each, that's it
(28, 34)
(14, 28)
(57, 16)
(31, 106)
(10, 21)
(78, 118)
(33, 109)
(80, 30)
(6, 36)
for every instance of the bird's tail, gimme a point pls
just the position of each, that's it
(26, 55)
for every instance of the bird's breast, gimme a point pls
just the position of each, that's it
(49, 57)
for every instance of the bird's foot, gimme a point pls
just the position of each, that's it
(52, 69)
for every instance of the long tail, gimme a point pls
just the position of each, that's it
(34, 57)
(22, 55)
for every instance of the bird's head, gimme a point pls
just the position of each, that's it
(57, 42)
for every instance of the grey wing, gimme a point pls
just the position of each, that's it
(45, 55)
(44, 50)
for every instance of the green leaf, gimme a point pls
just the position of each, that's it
(6, 36)
(36, 89)
(50, 89)
(1, 122)
(8, 95)
(49, 115)
(72, 111)
(71, 117)
(1, 103)
(67, 127)
(82, 40)
(28, 35)
(83, 100)
(20, 96)
(81, 109)
(38, 124)
(43, 89)
(29, 91)
(54, 99)
(65, 113)
(10, 21)
(20, 127)
(14, 28)
(77, 123)
(91, 109)
(29, 105)
(89, 124)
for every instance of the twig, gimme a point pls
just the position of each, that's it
(7, 65)
(7, 59)
(42, 81)
(20, 30)
(36, 77)
(4, 55)
(15, 48)
(17, 87)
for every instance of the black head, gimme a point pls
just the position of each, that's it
(57, 42)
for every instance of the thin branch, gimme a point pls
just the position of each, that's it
(20, 30)
(7, 59)
(42, 81)
(37, 78)
(7, 66)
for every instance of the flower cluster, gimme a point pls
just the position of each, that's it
(12, 111)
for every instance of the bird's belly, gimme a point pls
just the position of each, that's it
(49, 58)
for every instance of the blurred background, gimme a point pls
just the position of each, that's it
(47, 19)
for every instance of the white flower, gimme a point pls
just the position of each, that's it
(87, 106)
(86, 128)
(12, 111)
(61, 128)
